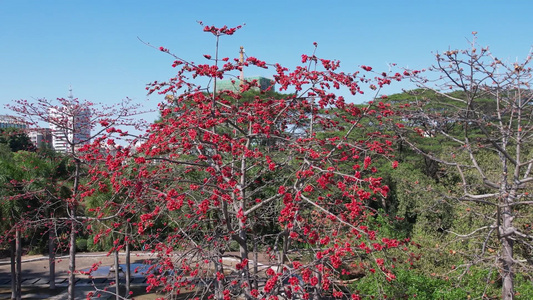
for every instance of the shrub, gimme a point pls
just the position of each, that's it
(81, 244)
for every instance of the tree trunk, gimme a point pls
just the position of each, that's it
(219, 282)
(117, 276)
(256, 272)
(243, 249)
(72, 258)
(507, 256)
(128, 266)
(13, 271)
(243, 236)
(73, 228)
(19, 265)
(52, 259)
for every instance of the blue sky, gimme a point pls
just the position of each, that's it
(47, 46)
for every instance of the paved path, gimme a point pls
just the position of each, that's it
(38, 266)
(35, 275)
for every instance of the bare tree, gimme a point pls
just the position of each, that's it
(480, 109)
(74, 124)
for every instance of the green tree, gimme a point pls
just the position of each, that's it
(24, 188)
(16, 140)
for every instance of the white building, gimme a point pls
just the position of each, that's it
(70, 125)
(7, 121)
(41, 136)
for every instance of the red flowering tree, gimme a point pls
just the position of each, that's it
(284, 180)
(74, 124)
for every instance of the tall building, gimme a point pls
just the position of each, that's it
(7, 121)
(70, 125)
(41, 136)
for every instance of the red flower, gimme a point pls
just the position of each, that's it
(281, 190)
(368, 161)
(314, 280)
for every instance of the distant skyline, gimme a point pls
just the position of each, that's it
(93, 46)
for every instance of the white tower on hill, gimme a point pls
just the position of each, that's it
(70, 125)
